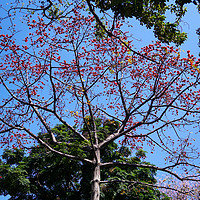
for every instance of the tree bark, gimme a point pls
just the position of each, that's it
(95, 186)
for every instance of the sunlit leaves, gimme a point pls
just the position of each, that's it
(152, 14)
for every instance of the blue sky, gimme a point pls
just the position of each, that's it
(144, 37)
(190, 23)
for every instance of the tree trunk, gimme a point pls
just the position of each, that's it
(95, 188)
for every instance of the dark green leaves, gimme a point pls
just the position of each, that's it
(152, 14)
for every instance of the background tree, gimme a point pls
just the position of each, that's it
(61, 72)
(44, 175)
(191, 190)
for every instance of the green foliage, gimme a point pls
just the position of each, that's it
(152, 14)
(13, 156)
(100, 33)
(41, 174)
(54, 12)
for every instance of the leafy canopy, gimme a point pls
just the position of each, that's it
(152, 14)
(43, 175)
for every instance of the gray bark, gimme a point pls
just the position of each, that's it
(95, 186)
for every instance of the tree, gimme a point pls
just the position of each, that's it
(62, 72)
(44, 175)
(151, 13)
(182, 190)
